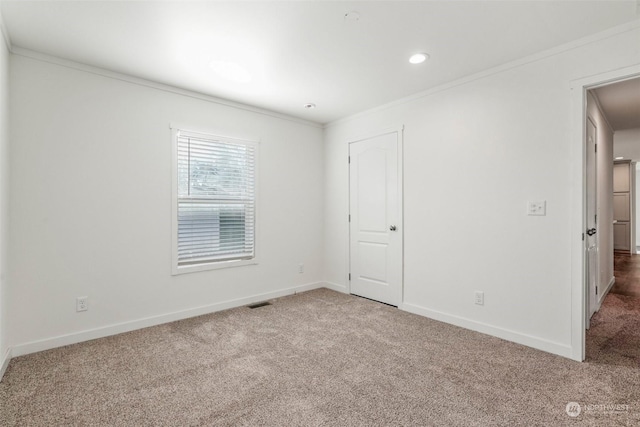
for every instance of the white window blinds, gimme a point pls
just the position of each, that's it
(216, 199)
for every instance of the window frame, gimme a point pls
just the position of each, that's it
(214, 264)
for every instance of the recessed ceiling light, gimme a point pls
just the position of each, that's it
(309, 106)
(619, 158)
(230, 71)
(418, 58)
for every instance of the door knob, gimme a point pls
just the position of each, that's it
(392, 228)
(591, 232)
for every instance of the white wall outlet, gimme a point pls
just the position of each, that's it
(538, 208)
(479, 298)
(300, 268)
(82, 303)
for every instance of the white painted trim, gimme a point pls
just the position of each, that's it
(632, 216)
(612, 32)
(336, 287)
(105, 331)
(213, 265)
(4, 363)
(174, 200)
(606, 291)
(579, 287)
(373, 134)
(400, 135)
(155, 85)
(214, 132)
(506, 334)
(347, 276)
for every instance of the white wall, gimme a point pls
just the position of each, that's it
(90, 203)
(604, 159)
(4, 199)
(475, 151)
(626, 143)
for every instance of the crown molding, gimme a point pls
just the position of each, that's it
(603, 35)
(38, 56)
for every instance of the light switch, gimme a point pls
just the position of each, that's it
(538, 208)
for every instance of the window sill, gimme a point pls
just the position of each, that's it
(215, 265)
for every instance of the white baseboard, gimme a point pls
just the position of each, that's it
(4, 363)
(73, 338)
(606, 291)
(105, 331)
(506, 334)
(336, 287)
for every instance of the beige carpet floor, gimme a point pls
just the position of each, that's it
(322, 358)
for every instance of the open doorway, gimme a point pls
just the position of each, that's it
(612, 269)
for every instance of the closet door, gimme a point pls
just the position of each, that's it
(622, 206)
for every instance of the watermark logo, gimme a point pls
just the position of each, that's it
(573, 409)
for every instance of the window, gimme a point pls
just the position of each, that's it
(214, 201)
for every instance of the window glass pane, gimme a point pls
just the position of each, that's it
(215, 168)
(214, 231)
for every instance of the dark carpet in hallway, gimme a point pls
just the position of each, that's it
(614, 337)
(626, 269)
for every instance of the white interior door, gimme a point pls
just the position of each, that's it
(375, 233)
(591, 237)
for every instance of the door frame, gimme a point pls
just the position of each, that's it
(399, 131)
(633, 196)
(579, 284)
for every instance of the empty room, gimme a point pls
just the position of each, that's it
(309, 213)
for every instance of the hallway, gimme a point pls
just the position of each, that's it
(626, 269)
(614, 336)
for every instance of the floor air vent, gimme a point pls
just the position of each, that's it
(259, 304)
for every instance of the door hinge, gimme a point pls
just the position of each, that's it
(596, 145)
(349, 276)
(349, 159)
(595, 219)
(596, 290)
(349, 217)
(582, 236)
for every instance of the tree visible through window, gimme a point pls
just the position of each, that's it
(215, 200)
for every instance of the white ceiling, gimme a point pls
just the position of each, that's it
(305, 51)
(620, 103)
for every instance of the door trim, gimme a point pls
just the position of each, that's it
(592, 305)
(579, 285)
(399, 130)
